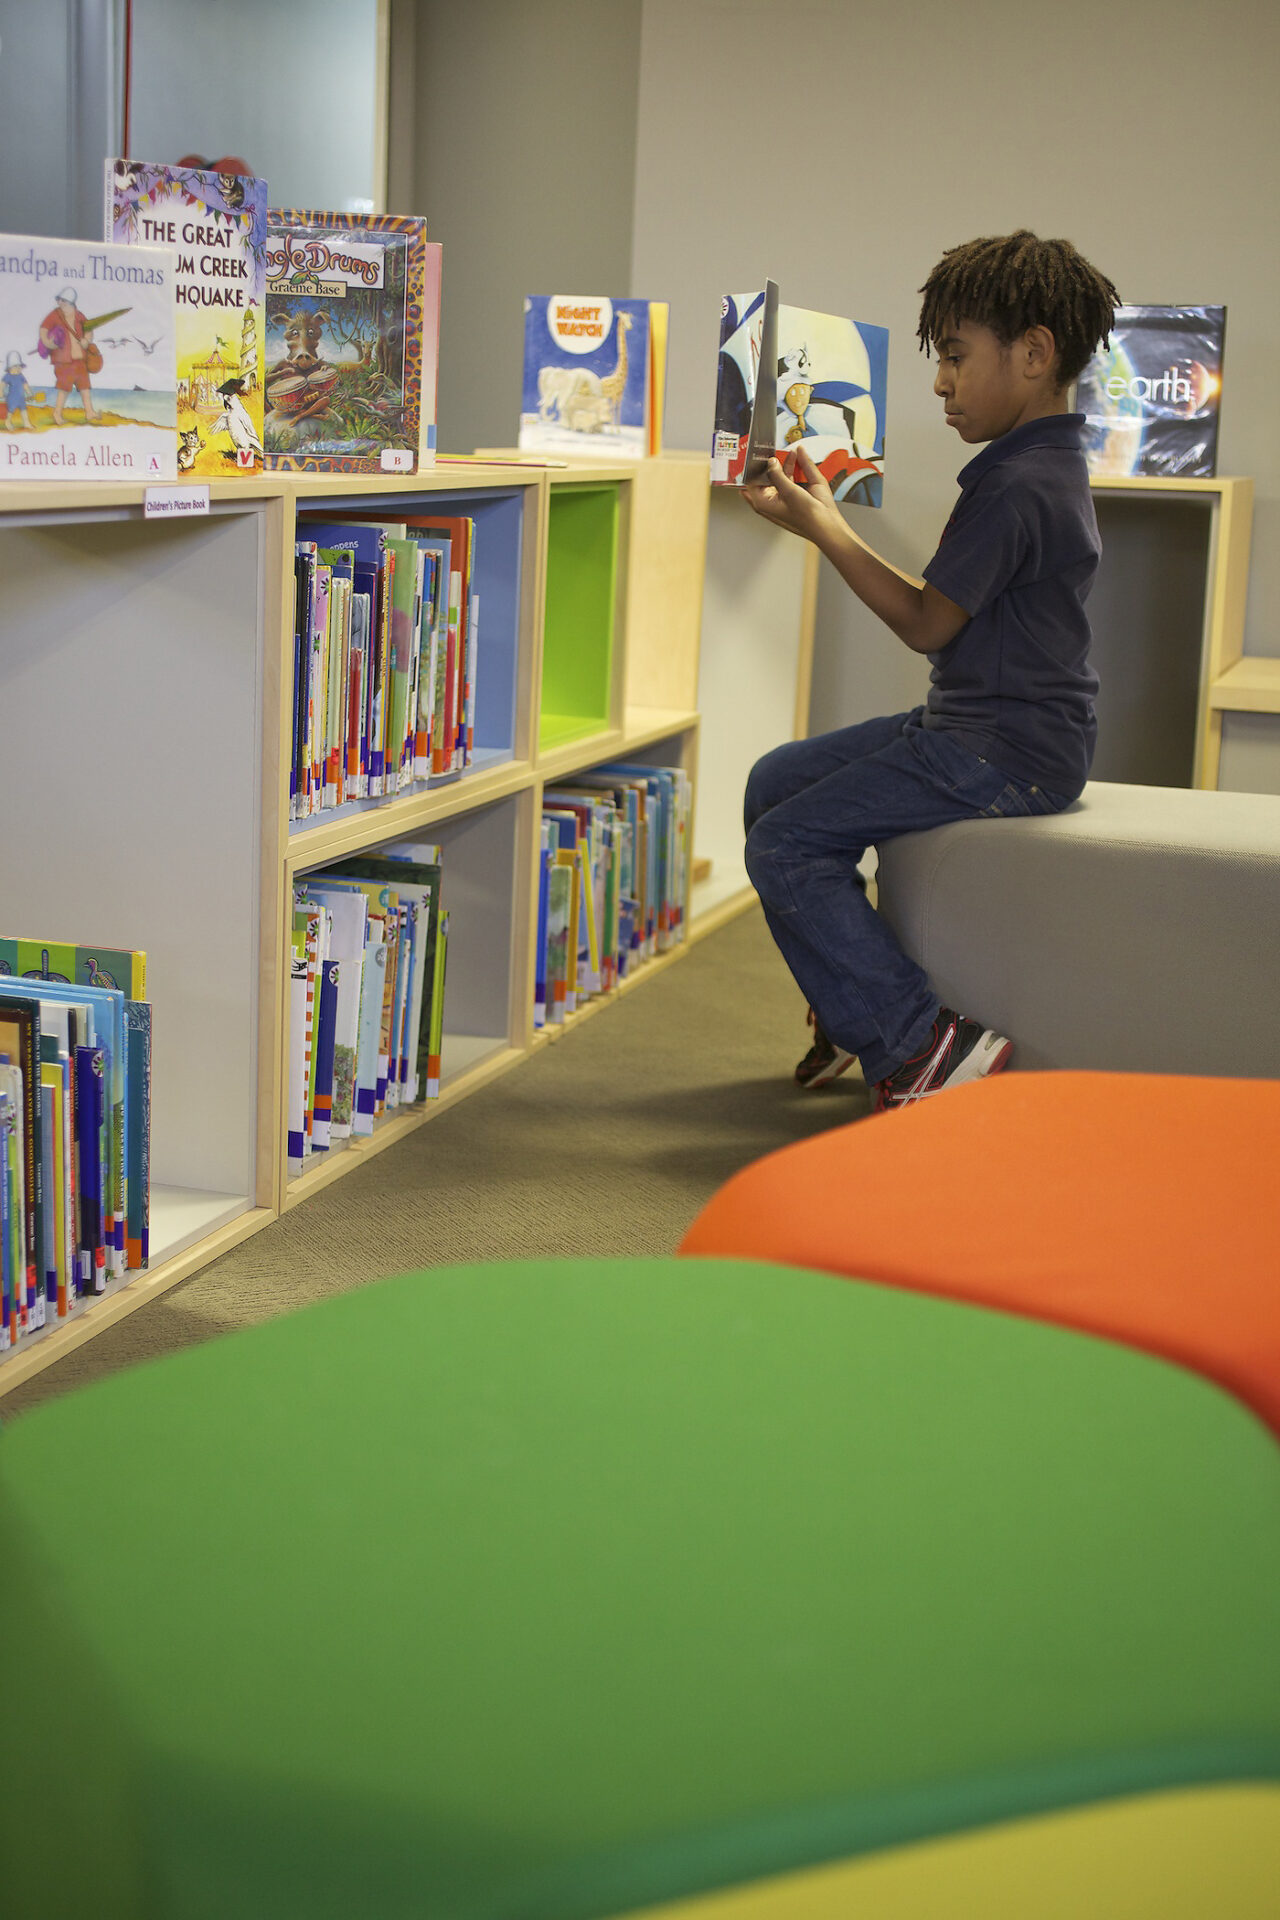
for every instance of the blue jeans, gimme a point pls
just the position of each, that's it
(813, 807)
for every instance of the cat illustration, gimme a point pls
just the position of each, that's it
(188, 448)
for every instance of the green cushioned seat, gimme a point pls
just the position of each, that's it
(560, 1588)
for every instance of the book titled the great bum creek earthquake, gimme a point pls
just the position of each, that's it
(217, 224)
(87, 383)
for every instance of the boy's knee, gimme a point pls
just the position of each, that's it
(767, 783)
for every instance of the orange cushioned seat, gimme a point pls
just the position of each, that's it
(1136, 1206)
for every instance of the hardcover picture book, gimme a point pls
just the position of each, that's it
(352, 342)
(216, 223)
(87, 359)
(594, 375)
(1150, 397)
(787, 374)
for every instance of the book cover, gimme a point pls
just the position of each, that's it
(137, 1023)
(89, 387)
(594, 375)
(216, 223)
(788, 375)
(1151, 396)
(353, 342)
(76, 966)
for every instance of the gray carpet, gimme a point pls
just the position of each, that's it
(607, 1142)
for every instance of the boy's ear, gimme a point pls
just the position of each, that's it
(1040, 350)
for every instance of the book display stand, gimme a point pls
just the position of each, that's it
(145, 728)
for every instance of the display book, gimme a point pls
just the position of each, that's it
(369, 942)
(386, 635)
(306, 340)
(75, 1128)
(1151, 395)
(87, 351)
(595, 372)
(788, 376)
(612, 880)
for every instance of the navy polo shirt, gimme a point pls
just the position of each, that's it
(1019, 554)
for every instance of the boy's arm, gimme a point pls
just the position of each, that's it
(921, 617)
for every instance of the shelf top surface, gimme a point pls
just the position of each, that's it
(1176, 484)
(446, 476)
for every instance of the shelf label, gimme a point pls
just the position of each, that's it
(397, 460)
(174, 503)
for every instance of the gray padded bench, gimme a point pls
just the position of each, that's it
(1138, 931)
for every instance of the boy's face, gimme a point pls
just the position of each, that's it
(985, 385)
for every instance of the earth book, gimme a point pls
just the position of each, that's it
(353, 342)
(786, 375)
(216, 222)
(594, 375)
(87, 383)
(1151, 396)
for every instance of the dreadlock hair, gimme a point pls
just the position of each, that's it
(1016, 281)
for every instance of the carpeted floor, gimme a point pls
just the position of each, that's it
(608, 1142)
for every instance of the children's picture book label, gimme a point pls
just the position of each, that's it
(788, 376)
(88, 387)
(216, 223)
(174, 503)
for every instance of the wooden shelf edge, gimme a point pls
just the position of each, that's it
(554, 762)
(1250, 685)
(330, 840)
(644, 726)
(1168, 483)
(92, 1320)
(389, 1133)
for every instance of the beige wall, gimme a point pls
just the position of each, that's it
(841, 147)
(523, 139)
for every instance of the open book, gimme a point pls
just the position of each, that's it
(788, 375)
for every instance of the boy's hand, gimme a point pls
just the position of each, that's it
(793, 494)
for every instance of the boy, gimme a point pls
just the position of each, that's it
(1009, 724)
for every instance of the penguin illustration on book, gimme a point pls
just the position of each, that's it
(234, 420)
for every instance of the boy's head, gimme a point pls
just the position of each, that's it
(1014, 321)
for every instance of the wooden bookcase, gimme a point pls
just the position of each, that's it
(1172, 591)
(145, 726)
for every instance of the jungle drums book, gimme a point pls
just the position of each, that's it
(786, 375)
(216, 222)
(353, 332)
(1150, 397)
(594, 375)
(88, 387)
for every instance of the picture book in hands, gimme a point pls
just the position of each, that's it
(788, 377)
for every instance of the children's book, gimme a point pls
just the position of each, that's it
(75, 966)
(594, 375)
(353, 341)
(787, 375)
(1151, 396)
(88, 389)
(216, 222)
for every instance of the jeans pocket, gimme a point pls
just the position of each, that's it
(1016, 800)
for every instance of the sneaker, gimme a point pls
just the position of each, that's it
(825, 1061)
(958, 1050)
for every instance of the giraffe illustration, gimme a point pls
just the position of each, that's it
(614, 385)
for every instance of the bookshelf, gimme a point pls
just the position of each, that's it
(1168, 614)
(145, 722)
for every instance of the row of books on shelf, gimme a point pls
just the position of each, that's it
(612, 880)
(386, 624)
(366, 999)
(75, 1128)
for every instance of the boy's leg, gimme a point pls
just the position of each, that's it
(799, 764)
(869, 997)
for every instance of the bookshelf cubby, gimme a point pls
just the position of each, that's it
(145, 725)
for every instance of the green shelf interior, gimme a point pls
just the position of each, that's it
(577, 652)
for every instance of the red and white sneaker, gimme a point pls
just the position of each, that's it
(825, 1061)
(958, 1050)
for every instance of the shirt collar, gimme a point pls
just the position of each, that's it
(1054, 430)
